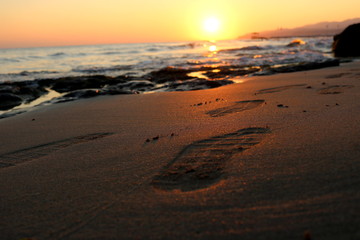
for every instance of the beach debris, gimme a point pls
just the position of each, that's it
(158, 137)
(206, 103)
(282, 106)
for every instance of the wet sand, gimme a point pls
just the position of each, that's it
(276, 157)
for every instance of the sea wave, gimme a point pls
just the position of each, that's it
(120, 52)
(10, 60)
(95, 69)
(58, 54)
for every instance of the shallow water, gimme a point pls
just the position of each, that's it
(138, 59)
(148, 67)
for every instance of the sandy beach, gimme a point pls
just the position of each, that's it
(275, 157)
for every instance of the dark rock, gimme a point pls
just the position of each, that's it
(305, 66)
(9, 101)
(168, 74)
(30, 90)
(115, 90)
(83, 93)
(225, 71)
(5, 88)
(27, 90)
(139, 85)
(347, 43)
(68, 84)
(282, 106)
(198, 84)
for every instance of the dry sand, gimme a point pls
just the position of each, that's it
(276, 157)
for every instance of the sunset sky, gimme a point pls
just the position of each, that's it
(28, 23)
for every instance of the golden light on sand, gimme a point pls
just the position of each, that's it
(212, 24)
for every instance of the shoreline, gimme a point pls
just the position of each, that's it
(274, 157)
(19, 97)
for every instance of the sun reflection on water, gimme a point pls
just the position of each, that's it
(212, 48)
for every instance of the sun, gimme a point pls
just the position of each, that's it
(211, 25)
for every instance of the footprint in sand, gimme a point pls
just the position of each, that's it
(237, 107)
(334, 89)
(338, 75)
(28, 154)
(279, 89)
(202, 163)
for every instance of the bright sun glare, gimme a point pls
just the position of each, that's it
(211, 25)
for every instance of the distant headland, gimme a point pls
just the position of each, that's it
(318, 29)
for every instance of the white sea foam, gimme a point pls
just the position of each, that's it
(138, 59)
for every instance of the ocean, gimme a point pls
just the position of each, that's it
(136, 68)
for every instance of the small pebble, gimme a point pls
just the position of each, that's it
(156, 138)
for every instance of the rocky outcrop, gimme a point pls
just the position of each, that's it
(68, 84)
(9, 100)
(168, 74)
(347, 43)
(304, 66)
